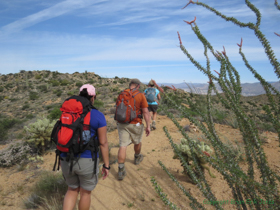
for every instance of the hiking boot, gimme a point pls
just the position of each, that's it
(138, 159)
(154, 125)
(122, 173)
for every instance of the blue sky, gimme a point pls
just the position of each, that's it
(129, 38)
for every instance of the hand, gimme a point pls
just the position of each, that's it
(105, 173)
(148, 131)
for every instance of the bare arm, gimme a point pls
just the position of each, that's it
(158, 97)
(147, 117)
(102, 136)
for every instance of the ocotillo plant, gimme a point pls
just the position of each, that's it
(254, 190)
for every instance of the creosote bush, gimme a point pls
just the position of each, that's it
(54, 114)
(6, 124)
(98, 104)
(33, 95)
(255, 186)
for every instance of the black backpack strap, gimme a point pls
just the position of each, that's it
(93, 146)
(71, 164)
(96, 147)
(57, 159)
(55, 130)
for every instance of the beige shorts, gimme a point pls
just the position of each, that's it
(130, 133)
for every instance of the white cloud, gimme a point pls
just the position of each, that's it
(53, 11)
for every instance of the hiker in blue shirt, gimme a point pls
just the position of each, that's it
(153, 97)
(82, 179)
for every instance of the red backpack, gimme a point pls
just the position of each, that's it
(125, 106)
(67, 133)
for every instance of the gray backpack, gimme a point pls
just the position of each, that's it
(125, 106)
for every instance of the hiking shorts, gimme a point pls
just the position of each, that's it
(82, 173)
(130, 133)
(153, 108)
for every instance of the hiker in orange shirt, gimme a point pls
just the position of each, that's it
(131, 131)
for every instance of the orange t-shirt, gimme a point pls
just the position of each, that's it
(140, 102)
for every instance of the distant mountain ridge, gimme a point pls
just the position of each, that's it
(248, 89)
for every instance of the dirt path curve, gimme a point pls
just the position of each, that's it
(136, 190)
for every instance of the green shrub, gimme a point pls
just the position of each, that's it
(55, 83)
(71, 93)
(38, 76)
(6, 124)
(54, 114)
(9, 85)
(219, 116)
(64, 82)
(48, 192)
(58, 92)
(14, 99)
(122, 81)
(98, 104)
(18, 89)
(1, 88)
(4, 78)
(29, 116)
(30, 85)
(116, 89)
(55, 74)
(25, 106)
(79, 84)
(91, 81)
(33, 95)
(43, 88)
(47, 74)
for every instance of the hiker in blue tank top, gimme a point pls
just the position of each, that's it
(82, 179)
(153, 97)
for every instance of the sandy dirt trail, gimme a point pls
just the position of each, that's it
(136, 190)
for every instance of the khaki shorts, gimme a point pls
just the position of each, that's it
(130, 133)
(82, 173)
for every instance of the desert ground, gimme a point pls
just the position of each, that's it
(136, 190)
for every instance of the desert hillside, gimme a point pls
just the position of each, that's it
(31, 95)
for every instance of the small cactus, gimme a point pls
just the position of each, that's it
(39, 133)
(185, 150)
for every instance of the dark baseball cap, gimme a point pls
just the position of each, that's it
(135, 81)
